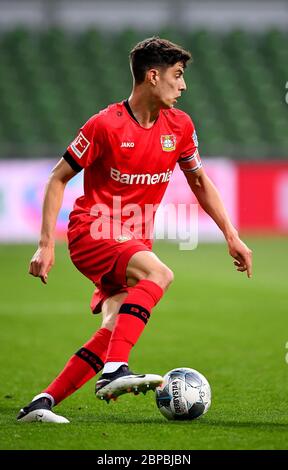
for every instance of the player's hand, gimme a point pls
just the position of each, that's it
(242, 255)
(41, 263)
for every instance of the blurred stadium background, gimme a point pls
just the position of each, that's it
(62, 61)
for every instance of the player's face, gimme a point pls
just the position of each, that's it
(170, 85)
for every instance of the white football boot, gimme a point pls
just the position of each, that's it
(112, 385)
(40, 410)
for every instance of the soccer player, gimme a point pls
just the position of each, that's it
(128, 152)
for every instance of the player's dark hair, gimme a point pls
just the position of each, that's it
(155, 52)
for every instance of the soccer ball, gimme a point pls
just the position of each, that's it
(184, 394)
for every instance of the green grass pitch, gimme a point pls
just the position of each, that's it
(213, 319)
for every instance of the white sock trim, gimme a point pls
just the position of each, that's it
(45, 395)
(112, 367)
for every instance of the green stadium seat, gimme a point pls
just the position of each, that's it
(51, 82)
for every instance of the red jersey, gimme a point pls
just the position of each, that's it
(122, 159)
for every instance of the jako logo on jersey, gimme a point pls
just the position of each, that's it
(127, 144)
(80, 145)
(142, 178)
(168, 142)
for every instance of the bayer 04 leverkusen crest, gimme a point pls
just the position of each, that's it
(168, 142)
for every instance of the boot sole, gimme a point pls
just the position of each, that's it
(129, 384)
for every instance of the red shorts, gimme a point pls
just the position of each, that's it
(103, 261)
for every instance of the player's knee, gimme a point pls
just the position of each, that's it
(164, 276)
(168, 277)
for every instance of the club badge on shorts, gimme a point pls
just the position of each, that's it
(123, 238)
(168, 142)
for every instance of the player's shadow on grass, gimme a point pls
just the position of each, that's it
(243, 424)
(118, 419)
(121, 420)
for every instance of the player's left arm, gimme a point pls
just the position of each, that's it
(211, 202)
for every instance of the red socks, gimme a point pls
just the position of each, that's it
(82, 366)
(132, 318)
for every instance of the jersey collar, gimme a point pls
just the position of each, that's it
(127, 106)
(129, 110)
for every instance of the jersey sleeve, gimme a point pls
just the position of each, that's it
(189, 160)
(86, 147)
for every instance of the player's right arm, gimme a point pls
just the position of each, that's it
(43, 259)
(81, 153)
